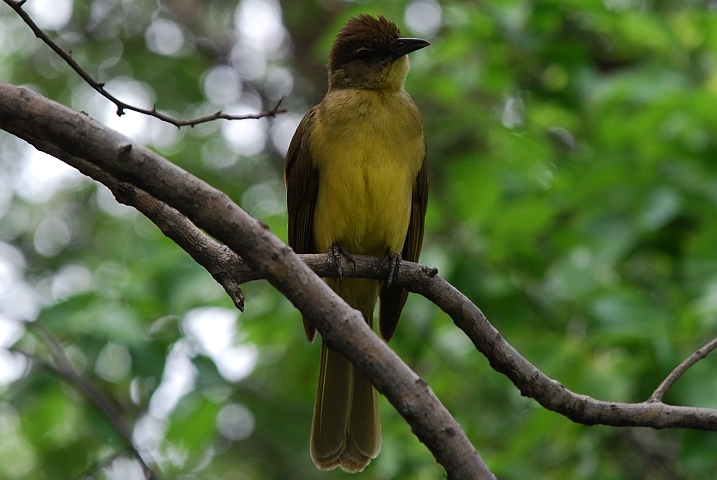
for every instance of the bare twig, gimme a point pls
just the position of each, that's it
(224, 265)
(101, 402)
(91, 471)
(681, 369)
(122, 106)
(217, 259)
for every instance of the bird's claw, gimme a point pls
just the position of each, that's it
(335, 253)
(394, 266)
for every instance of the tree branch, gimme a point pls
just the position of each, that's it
(681, 369)
(532, 383)
(222, 263)
(40, 121)
(230, 271)
(64, 369)
(122, 106)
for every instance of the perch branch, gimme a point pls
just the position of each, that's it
(230, 271)
(532, 383)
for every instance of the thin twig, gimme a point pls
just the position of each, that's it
(122, 106)
(104, 404)
(221, 262)
(680, 370)
(89, 474)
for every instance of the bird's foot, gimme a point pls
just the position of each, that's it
(394, 266)
(335, 253)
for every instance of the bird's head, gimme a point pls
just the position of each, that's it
(370, 53)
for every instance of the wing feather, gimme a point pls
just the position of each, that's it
(302, 184)
(394, 298)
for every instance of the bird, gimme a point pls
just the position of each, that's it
(357, 184)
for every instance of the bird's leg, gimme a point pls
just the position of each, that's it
(335, 253)
(394, 266)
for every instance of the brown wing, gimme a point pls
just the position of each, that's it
(302, 183)
(394, 298)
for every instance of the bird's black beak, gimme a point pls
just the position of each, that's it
(404, 46)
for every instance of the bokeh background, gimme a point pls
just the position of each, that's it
(573, 169)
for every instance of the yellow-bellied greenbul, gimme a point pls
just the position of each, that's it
(357, 183)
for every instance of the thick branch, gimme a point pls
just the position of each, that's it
(40, 121)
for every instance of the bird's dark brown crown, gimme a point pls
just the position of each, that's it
(363, 38)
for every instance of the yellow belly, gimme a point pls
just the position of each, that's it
(368, 149)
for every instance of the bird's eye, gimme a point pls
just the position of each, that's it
(365, 55)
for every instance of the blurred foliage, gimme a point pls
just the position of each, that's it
(573, 199)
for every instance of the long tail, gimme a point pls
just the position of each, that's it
(346, 430)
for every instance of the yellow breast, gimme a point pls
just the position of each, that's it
(368, 148)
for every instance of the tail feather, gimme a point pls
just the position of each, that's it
(346, 429)
(335, 383)
(365, 423)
